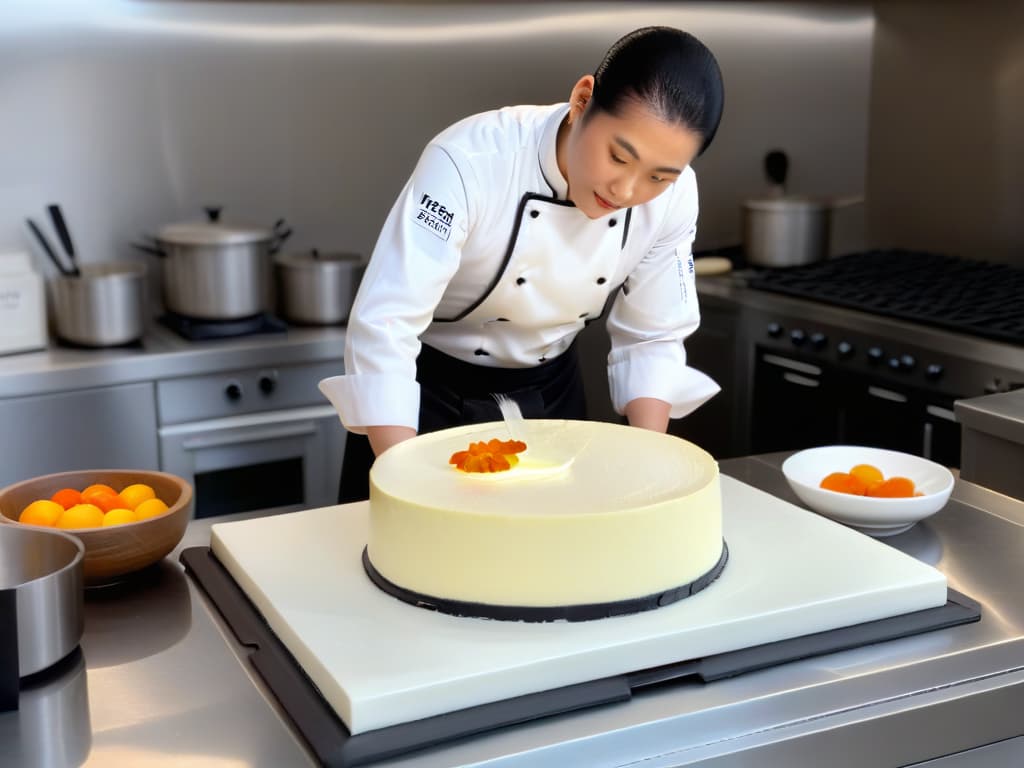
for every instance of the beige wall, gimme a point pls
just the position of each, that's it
(946, 136)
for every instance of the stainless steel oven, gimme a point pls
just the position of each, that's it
(252, 439)
(825, 376)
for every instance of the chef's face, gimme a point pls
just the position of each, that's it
(620, 161)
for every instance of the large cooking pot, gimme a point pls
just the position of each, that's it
(317, 288)
(783, 230)
(100, 305)
(217, 271)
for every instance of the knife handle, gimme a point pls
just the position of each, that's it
(62, 229)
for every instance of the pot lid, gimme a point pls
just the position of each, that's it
(790, 203)
(212, 232)
(314, 258)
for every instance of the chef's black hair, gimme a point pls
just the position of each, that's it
(668, 70)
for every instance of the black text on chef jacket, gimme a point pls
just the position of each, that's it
(435, 217)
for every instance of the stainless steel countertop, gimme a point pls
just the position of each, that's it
(1001, 414)
(161, 355)
(163, 683)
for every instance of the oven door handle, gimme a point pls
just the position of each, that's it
(254, 435)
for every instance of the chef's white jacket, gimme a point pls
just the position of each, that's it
(482, 258)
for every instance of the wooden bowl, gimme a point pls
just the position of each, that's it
(113, 551)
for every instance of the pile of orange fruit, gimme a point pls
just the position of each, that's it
(868, 480)
(93, 507)
(493, 456)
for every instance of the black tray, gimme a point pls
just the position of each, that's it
(334, 746)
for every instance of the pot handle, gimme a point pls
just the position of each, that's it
(281, 232)
(151, 247)
(845, 202)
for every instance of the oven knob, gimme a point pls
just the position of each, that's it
(907, 362)
(267, 384)
(797, 336)
(233, 391)
(845, 349)
(934, 371)
(875, 354)
(893, 363)
(774, 330)
(819, 340)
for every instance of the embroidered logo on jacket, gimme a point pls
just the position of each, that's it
(433, 216)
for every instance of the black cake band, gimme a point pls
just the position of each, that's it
(585, 612)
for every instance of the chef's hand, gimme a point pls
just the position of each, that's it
(382, 438)
(648, 413)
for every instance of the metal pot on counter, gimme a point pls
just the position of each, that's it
(100, 305)
(783, 230)
(44, 572)
(217, 271)
(317, 288)
(93, 305)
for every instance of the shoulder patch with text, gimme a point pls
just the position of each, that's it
(435, 217)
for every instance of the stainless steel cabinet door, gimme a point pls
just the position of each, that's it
(107, 427)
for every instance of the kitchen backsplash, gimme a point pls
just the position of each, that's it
(135, 113)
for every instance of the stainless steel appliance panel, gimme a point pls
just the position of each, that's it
(106, 427)
(232, 393)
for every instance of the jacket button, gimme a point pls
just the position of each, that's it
(612, 222)
(520, 281)
(534, 214)
(601, 281)
(481, 352)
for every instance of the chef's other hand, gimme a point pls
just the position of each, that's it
(648, 413)
(383, 437)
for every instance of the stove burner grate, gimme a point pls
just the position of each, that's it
(194, 329)
(973, 297)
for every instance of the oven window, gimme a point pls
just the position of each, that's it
(254, 486)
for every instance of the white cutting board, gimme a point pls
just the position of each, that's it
(379, 661)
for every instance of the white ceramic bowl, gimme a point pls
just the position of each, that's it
(875, 516)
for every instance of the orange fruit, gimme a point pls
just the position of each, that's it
(67, 497)
(150, 508)
(41, 512)
(104, 499)
(119, 517)
(867, 474)
(81, 516)
(133, 495)
(843, 482)
(97, 487)
(893, 488)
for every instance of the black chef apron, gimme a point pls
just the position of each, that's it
(454, 393)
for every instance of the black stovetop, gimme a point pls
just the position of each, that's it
(973, 297)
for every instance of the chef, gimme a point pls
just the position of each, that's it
(514, 229)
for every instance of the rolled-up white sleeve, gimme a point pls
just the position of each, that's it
(655, 311)
(416, 255)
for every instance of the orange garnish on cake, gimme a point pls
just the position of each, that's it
(493, 456)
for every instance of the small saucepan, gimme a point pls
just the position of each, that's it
(317, 288)
(787, 230)
(100, 305)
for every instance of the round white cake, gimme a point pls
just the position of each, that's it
(594, 520)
